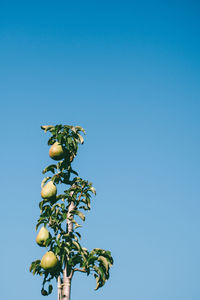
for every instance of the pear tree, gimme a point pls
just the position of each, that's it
(59, 227)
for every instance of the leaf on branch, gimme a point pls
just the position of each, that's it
(35, 267)
(76, 224)
(42, 220)
(79, 213)
(52, 140)
(49, 168)
(81, 139)
(97, 283)
(67, 250)
(73, 129)
(91, 259)
(73, 172)
(92, 189)
(104, 261)
(79, 235)
(76, 259)
(44, 181)
(50, 289)
(41, 204)
(79, 128)
(101, 279)
(47, 127)
(77, 245)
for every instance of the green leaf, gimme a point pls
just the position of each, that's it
(73, 129)
(100, 271)
(80, 214)
(49, 168)
(101, 276)
(92, 189)
(34, 265)
(47, 127)
(76, 224)
(104, 261)
(73, 172)
(41, 204)
(81, 138)
(91, 260)
(48, 242)
(79, 128)
(79, 235)
(97, 283)
(44, 181)
(67, 250)
(50, 289)
(39, 223)
(52, 140)
(77, 245)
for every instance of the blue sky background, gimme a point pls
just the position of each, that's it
(129, 73)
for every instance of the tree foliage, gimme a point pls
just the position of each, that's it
(54, 213)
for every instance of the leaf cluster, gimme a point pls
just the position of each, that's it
(68, 136)
(53, 212)
(35, 268)
(98, 263)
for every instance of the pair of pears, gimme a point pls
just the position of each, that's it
(49, 191)
(49, 260)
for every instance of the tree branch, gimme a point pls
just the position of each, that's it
(79, 270)
(81, 192)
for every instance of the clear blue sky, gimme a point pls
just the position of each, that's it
(129, 73)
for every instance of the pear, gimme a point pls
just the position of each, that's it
(56, 151)
(49, 190)
(49, 261)
(42, 237)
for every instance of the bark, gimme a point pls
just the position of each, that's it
(59, 289)
(70, 223)
(66, 289)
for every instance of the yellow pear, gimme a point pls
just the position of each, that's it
(49, 190)
(42, 237)
(49, 261)
(56, 151)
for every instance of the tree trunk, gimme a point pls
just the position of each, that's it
(59, 289)
(70, 223)
(66, 289)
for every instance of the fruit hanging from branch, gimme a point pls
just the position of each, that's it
(49, 190)
(49, 261)
(56, 151)
(42, 237)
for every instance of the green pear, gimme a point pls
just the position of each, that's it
(42, 237)
(49, 261)
(56, 151)
(49, 190)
